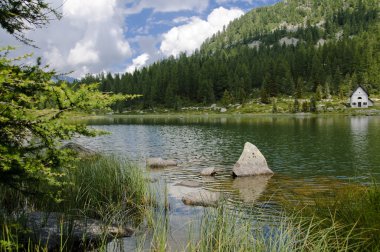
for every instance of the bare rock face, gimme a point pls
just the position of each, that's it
(158, 162)
(210, 171)
(251, 163)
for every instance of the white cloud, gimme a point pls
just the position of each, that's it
(190, 36)
(89, 10)
(54, 57)
(168, 6)
(138, 62)
(89, 38)
(83, 53)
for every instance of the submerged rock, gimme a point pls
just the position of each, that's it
(47, 229)
(189, 183)
(79, 150)
(251, 162)
(210, 171)
(202, 198)
(158, 162)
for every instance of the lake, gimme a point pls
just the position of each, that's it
(310, 155)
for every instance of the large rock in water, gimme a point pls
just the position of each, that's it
(251, 162)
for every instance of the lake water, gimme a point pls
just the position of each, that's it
(310, 155)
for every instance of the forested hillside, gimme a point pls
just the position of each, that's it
(292, 48)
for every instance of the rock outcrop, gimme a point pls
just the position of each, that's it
(158, 162)
(47, 229)
(210, 171)
(79, 150)
(251, 163)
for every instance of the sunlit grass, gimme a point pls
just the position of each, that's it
(105, 188)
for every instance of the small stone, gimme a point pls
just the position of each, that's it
(210, 171)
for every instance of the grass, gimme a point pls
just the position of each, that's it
(225, 229)
(105, 188)
(350, 222)
(356, 210)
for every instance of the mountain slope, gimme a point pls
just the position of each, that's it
(291, 15)
(294, 48)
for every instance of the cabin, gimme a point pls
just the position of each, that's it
(360, 98)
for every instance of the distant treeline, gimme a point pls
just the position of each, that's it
(334, 57)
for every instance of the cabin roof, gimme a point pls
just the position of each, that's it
(360, 86)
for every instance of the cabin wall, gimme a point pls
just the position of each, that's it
(359, 99)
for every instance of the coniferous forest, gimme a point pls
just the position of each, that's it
(293, 48)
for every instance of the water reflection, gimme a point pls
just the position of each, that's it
(359, 126)
(250, 188)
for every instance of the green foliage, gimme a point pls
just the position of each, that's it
(227, 98)
(274, 105)
(31, 108)
(17, 16)
(296, 106)
(318, 93)
(264, 96)
(305, 106)
(313, 104)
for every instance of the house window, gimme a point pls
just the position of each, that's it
(364, 103)
(354, 103)
(359, 98)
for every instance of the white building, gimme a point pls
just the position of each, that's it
(360, 98)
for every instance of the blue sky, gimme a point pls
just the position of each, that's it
(123, 35)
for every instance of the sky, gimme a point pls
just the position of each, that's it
(120, 36)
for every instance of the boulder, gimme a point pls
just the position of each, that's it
(79, 150)
(210, 171)
(158, 162)
(202, 198)
(251, 163)
(223, 110)
(47, 229)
